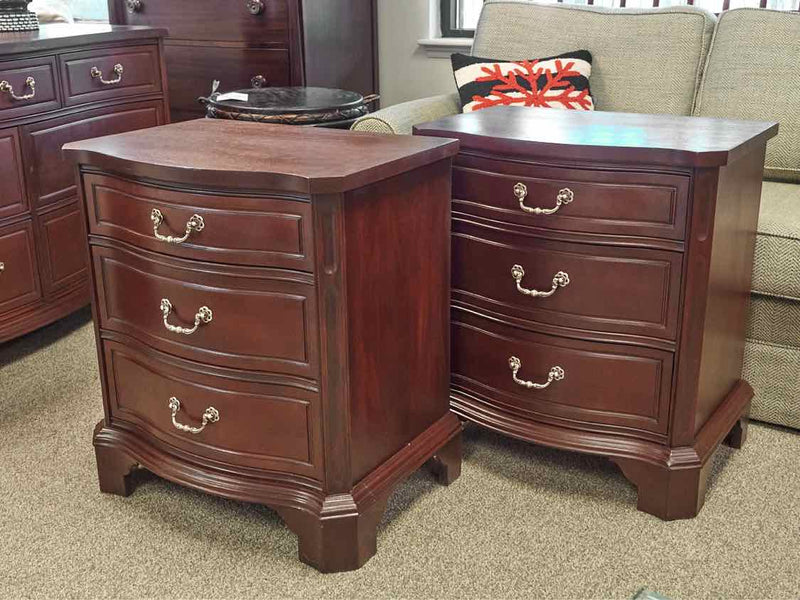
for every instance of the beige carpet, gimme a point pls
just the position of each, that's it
(521, 522)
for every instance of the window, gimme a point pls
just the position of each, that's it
(459, 17)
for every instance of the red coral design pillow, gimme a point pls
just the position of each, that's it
(556, 82)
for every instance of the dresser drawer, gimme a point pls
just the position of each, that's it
(42, 143)
(248, 231)
(582, 286)
(602, 383)
(192, 69)
(30, 87)
(214, 20)
(253, 319)
(13, 199)
(259, 425)
(587, 201)
(107, 73)
(19, 277)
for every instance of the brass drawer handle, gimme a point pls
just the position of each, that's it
(564, 197)
(556, 374)
(134, 6)
(211, 415)
(196, 223)
(203, 317)
(98, 74)
(255, 7)
(7, 88)
(2, 267)
(560, 279)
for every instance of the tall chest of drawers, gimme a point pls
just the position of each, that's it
(265, 330)
(59, 84)
(601, 274)
(320, 43)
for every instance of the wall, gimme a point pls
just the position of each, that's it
(406, 71)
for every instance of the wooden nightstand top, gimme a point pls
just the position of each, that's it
(603, 136)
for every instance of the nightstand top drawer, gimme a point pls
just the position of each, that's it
(602, 137)
(267, 231)
(629, 203)
(106, 73)
(28, 87)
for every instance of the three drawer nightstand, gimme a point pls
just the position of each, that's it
(601, 278)
(265, 330)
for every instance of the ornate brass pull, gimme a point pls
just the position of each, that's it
(255, 7)
(203, 316)
(556, 374)
(196, 223)
(560, 279)
(564, 197)
(98, 74)
(7, 88)
(211, 415)
(2, 267)
(134, 6)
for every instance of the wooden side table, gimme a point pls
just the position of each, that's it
(265, 331)
(601, 277)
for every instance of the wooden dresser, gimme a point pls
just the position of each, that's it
(322, 43)
(601, 277)
(265, 330)
(59, 84)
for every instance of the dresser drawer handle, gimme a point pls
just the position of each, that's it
(560, 279)
(134, 6)
(7, 88)
(556, 374)
(2, 267)
(98, 74)
(255, 7)
(211, 415)
(203, 317)
(196, 223)
(564, 197)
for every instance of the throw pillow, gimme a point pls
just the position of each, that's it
(555, 82)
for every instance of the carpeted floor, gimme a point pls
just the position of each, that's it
(521, 522)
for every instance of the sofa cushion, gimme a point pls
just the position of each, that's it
(753, 72)
(777, 262)
(774, 321)
(774, 372)
(647, 61)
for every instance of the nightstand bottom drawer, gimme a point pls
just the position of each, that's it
(574, 380)
(236, 421)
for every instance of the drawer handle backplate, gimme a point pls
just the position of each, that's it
(564, 197)
(134, 6)
(203, 317)
(211, 415)
(196, 223)
(255, 7)
(7, 88)
(98, 74)
(556, 374)
(560, 279)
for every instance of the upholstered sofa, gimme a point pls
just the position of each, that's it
(683, 60)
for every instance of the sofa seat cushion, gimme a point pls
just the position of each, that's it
(633, 70)
(774, 372)
(753, 72)
(776, 270)
(774, 321)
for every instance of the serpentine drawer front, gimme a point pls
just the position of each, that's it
(268, 333)
(601, 278)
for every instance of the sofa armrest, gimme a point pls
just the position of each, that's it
(401, 118)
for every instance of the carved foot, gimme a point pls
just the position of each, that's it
(668, 494)
(342, 538)
(738, 434)
(446, 463)
(114, 471)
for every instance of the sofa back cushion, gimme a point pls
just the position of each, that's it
(647, 61)
(753, 72)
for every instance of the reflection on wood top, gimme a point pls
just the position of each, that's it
(57, 36)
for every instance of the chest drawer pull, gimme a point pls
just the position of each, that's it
(98, 74)
(564, 197)
(196, 223)
(211, 415)
(556, 374)
(2, 267)
(134, 6)
(7, 88)
(560, 279)
(255, 7)
(203, 316)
